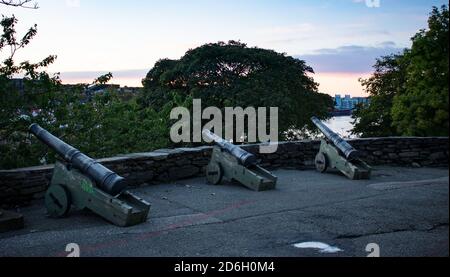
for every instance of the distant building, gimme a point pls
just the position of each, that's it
(100, 88)
(131, 90)
(89, 89)
(345, 105)
(348, 103)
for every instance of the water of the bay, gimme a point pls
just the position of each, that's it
(341, 125)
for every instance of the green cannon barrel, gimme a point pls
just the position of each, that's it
(106, 180)
(244, 158)
(349, 152)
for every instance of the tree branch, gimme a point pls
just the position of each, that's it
(28, 4)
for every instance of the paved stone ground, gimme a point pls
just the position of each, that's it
(403, 210)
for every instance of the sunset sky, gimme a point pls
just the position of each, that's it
(340, 39)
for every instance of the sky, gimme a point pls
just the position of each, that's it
(339, 39)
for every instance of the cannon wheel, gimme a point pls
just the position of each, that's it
(57, 201)
(214, 173)
(321, 162)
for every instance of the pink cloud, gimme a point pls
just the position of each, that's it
(340, 83)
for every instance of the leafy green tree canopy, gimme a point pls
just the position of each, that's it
(24, 99)
(232, 74)
(422, 110)
(375, 120)
(409, 90)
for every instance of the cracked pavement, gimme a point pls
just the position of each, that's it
(403, 210)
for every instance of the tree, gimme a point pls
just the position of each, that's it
(33, 97)
(409, 90)
(107, 125)
(375, 120)
(232, 74)
(100, 126)
(422, 110)
(103, 79)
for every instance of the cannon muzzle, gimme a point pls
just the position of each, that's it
(105, 179)
(245, 158)
(348, 151)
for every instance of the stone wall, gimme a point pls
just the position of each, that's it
(20, 186)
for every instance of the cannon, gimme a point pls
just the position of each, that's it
(336, 153)
(230, 162)
(84, 183)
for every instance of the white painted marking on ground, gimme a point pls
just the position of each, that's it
(323, 247)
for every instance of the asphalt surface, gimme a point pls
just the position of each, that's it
(404, 211)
